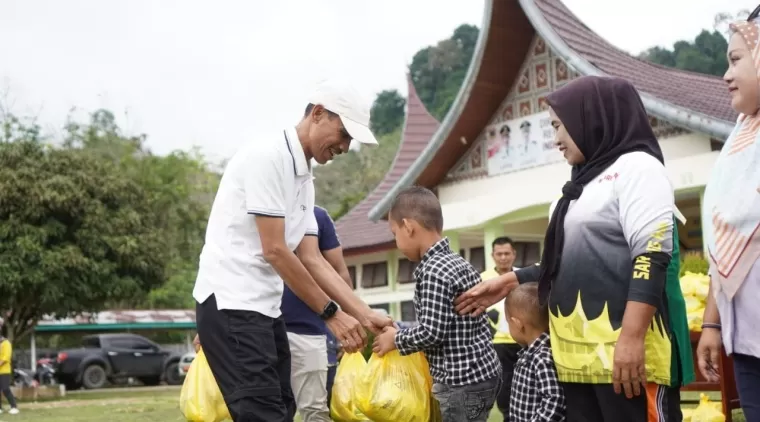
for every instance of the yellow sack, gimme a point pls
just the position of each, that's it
(342, 405)
(435, 408)
(686, 413)
(200, 399)
(707, 412)
(693, 304)
(395, 388)
(695, 319)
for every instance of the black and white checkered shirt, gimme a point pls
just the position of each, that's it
(536, 392)
(458, 348)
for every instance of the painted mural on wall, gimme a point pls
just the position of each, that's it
(520, 143)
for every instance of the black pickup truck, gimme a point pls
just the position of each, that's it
(113, 357)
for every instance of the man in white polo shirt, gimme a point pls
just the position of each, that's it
(261, 231)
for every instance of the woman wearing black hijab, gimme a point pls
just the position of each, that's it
(605, 259)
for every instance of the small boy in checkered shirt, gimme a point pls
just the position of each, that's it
(536, 392)
(463, 362)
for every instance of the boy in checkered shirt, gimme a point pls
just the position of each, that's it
(463, 363)
(536, 392)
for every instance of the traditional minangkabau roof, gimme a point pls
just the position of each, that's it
(357, 233)
(688, 100)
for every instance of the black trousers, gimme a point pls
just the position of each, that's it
(249, 356)
(508, 357)
(600, 403)
(747, 370)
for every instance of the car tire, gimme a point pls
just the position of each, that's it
(171, 374)
(94, 377)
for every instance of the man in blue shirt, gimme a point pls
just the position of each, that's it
(308, 335)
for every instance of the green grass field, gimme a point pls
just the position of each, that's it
(159, 405)
(146, 404)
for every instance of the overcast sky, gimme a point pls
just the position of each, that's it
(214, 73)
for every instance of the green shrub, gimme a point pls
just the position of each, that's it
(694, 262)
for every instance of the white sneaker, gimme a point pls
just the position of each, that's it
(13, 411)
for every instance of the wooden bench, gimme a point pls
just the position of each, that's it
(726, 385)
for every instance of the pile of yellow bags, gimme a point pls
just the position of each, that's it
(392, 388)
(705, 412)
(695, 288)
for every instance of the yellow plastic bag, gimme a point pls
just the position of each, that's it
(435, 408)
(343, 406)
(395, 388)
(707, 412)
(200, 399)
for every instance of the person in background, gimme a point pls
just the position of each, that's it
(504, 255)
(463, 364)
(536, 392)
(730, 217)
(308, 334)
(6, 374)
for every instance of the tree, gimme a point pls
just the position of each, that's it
(387, 112)
(180, 185)
(75, 233)
(706, 54)
(438, 71)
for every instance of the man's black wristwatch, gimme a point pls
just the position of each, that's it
(329, 311)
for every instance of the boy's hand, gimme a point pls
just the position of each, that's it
(385, 342)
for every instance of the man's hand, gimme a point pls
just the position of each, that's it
(375, 321)
(708, 354)
(347, 331)
(385, 342)
(629, 370)
(197, 343)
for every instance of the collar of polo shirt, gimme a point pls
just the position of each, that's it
(300, 165)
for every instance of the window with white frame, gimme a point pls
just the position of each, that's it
(478, 258)
(407, 311)
(528, 253)
(406, 271)
(374, 275)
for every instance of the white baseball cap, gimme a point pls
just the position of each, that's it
(344, 100)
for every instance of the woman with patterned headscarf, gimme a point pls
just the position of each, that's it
(604, 269)
(730, 222)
